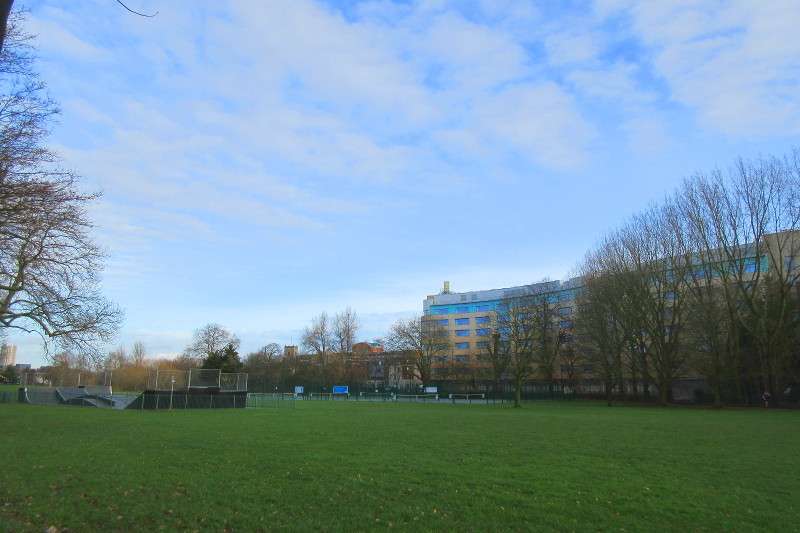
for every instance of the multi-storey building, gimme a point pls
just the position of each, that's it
(8, 355)
(467, 316)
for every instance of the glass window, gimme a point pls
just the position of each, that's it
(481, 319)
(483, 308)
(442, 322)
(482, 331)
(562, 311)
(483, 345)
(462, 346)
(462, 309)
(462, 358)
(462, 333)
(462, 321)
(564, 324)
(565, 297)
(444, 311)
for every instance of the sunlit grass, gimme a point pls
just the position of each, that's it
(356, 466)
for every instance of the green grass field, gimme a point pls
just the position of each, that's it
(376, 466)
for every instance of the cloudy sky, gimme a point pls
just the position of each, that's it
(263, 161)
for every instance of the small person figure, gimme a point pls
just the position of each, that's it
(766, 398)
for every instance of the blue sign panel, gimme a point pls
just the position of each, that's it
(341, 389)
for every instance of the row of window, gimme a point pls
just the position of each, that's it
(458, 310)
(563, 297)
(479, 331)
(563, 324)
(462, 321)
(482, 345)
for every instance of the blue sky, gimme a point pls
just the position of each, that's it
(262, 162)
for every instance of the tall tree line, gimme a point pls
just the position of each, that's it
(702, 282)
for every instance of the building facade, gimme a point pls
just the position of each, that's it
(8, 355)
(466, 316)
(467, 319)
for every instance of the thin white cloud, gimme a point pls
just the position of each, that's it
(268, 160)
(53, 35)
(571, 47)
(537, 120)
(731, 61)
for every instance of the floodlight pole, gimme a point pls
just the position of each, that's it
(171, 390)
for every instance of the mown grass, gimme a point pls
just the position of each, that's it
(376, 466)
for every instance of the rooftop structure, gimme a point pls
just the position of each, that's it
(458, 303)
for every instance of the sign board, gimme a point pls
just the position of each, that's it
(431, 390)
(298, 390)
(341, 389)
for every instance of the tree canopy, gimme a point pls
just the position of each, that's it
(50, 265)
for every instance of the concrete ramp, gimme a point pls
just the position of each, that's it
(86, 397)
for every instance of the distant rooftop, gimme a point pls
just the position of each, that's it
(488, 295)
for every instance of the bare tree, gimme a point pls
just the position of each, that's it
(744, 224)
(423, 340)
(553, 324)
(708, 276)
(138, 353)
(186, 361)
(519, 328)
(49, 264)
(115, 360)
(209, 340)
(264, 365)
(494, 349)
(5, 12)
(345, 328)
(642, 265)
(317, 338)
(600, 328)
